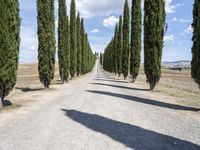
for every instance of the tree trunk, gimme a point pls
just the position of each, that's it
(152, 85)
(1, 103)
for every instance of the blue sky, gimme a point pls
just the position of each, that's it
(100, 19)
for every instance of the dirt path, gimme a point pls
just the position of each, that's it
(98, 112)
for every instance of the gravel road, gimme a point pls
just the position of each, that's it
(100, 112)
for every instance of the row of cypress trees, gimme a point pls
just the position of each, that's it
(9, 47)
(123, 54)
(74, 51)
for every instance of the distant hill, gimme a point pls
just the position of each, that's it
(177, 64)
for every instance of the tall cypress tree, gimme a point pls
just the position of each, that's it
(136, 31)
(126, 40)
(83, 66)
(86, 52)
(154, 23)
(115, 49)
(120, 47)
(9, 47)
(79, 45)
(108, 57)
(63, 42)
(196, 43)
(73, 40)
(46, 39)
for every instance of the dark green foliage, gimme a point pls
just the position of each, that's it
(136, 31)
(126, 40)
(115, 55)
(83, 68)
(108, 57)
(91, 59)
(86, 52)
(9, 47)
(79, 45)
(63, 42)
(46, 39)
(196, 43)
(101, 59)
(73, 40)
(120, 47)
(88, 59)
(154, 23)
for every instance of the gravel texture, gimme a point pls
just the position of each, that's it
(100, 112)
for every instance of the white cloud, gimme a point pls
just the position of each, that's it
(180, 20)
(28, 38)
(189, 29)
(184, 21)
(169, 38)
(110, 22)
(169, 7)
(174, 19)
(95, 31)
(90, 8)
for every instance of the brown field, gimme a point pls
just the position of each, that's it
(175, 84)
(28, 86)
(178, 84)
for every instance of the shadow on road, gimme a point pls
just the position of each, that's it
(130, 135)
(146, 101)
(122, 87)
(29, 89)
(111, 80)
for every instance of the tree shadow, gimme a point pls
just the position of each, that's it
(57, 83)
(130, 135)
(122, 87)
(7, 103)
(29, 89)
(110, 80)
(146, 101)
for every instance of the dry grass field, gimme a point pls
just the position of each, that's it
(175, 84)
(28, 86)
(178, 84)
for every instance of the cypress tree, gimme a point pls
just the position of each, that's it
(9, 47)
(115, 49)
(79, 49)
(126, 40)
(196, 43)
(86, 52)
(101, 59)
(63, 42)
(108, 57)
(46, 39)
(83, 68)
(120, 47)
(73, 40)
(136, 31)
(154, 23)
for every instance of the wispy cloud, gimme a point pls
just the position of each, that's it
(169, 38)
(170, 7)
(29, 38)
(189, 29)
(95, 30)
(181, 20)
